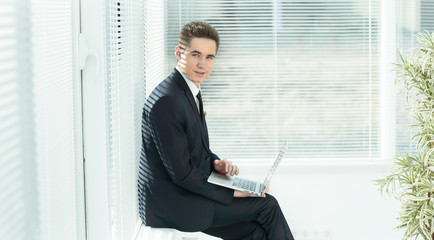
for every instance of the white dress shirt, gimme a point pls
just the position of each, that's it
(193, 88)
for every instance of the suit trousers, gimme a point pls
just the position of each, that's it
(250, 218)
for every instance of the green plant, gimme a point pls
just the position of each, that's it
(412, 178)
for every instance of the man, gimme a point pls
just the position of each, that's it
(176, 158)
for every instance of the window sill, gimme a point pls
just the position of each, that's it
(312, 165)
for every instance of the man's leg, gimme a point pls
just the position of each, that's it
(253, 215)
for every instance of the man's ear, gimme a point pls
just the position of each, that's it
(178, 53)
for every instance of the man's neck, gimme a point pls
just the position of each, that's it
(185, 77)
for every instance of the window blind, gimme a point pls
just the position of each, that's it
(306, 71)
(154, 44)
(54, 78)
(125, 96)
(37, 140)
(413, 17)
(18, 194)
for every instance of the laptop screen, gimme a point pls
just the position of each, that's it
(276, 163)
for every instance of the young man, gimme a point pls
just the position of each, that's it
(176, 158)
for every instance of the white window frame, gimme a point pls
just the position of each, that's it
(388, 89)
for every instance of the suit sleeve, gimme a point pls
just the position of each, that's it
(168, 129)
(213, 158)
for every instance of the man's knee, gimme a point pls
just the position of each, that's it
(271, 206)
(272, 201)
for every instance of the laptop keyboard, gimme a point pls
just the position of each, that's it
(245, 184)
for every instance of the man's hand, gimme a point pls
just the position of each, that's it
(226, 167)
(244, 194)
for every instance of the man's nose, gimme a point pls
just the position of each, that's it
(201, 63)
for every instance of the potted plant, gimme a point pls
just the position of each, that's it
(411, 179)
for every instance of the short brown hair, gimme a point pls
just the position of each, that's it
(197, 29)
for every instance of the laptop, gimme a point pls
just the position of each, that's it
(246, 185)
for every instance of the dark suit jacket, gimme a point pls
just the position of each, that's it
(176, 161)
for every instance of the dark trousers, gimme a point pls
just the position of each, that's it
(250, 218)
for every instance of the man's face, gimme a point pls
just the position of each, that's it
(197, 61)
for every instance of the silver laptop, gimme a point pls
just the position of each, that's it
(246, 185)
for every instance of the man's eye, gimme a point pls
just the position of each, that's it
(195, 55)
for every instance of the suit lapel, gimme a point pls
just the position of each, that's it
(183, 85)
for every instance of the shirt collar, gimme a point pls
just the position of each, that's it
(193, 88)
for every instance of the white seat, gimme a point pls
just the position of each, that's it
(148, 233)
(160, 233)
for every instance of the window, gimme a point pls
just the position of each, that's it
(18, 191)
(306, 71)
(125, 96)
(413, 18)
(57, 107)
(41, 183)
